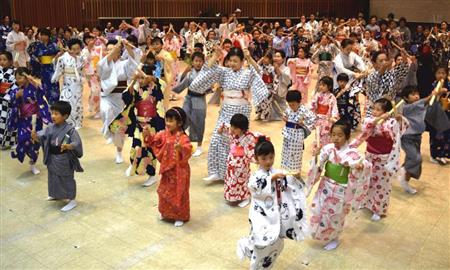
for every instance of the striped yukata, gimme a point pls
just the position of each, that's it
(236, 87)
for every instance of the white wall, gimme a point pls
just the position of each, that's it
(413, 10)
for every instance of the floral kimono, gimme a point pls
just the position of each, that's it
(342, 188)
(242, 150)
(324, 105)
(383, 152)
(173, 190)
(143, 110)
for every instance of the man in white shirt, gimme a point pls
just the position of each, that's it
(16, 43)
(192, 37)
(312, 23)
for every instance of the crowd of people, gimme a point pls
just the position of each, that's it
(377, 79)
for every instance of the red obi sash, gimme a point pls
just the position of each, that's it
(379, 145)
(28, 109)
(237, 151)
(146, 108)
(4, 87)
(267, 78)
(322, 109)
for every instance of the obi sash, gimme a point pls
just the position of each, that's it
(325, 56)
(28, 109)
(267, 78)
(146, 108)
(322, 109)
(95, 60)
(121, 86)
(293, 125)
(46, 59)
(379, 145)
(4, 87)
(301, 71)
(234, 97)
(55, 150)
(237, 151)
(195, 94)
(337, 172)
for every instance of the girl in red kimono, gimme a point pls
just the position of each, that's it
(242, 146)
(173, 150)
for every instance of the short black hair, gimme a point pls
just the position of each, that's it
(74, 41)
(15, 22)
(178, 114)
(293, 96)
(198, 45)
(328, 81)
(345, 126)
(45, 32)
(408, 90)
(63, 107)
(7, 54)
(226, 41)
(342, 77)
(112, 42)
(375, 55)
(197, 54)
(346, 42)
(133, 40)
(264, 147)
(22, 71)
(240, 121)
(156, 40)
(386, 104)
(87, 36)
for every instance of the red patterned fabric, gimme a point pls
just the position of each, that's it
(173, 190)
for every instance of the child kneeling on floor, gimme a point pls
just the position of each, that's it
(62, 149)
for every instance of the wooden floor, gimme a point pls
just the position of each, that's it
(116, 226)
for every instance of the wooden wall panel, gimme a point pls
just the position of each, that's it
(78, 12)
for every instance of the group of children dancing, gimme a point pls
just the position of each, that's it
(130, 89)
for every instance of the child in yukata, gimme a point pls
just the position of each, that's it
(173, 150)
(343, 177)
(299, 123)
(301, 69)
(383, 152)
(29, 111)
(324, 105)
(242, 145)
(347, 101)
(278, 210)
(62, 148)
(194, 103)
(414, 111)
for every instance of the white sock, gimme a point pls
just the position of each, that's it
(244, 203)
(375, 217)
(151, 180)
(50, 198)
(119, 158)
(109, 141)
(198, 152)
(213, 177)
(34, 170)
(332, 245)
(406, 187)
(69, 206)
(129, 171)
(160, 217)
(178, 223)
